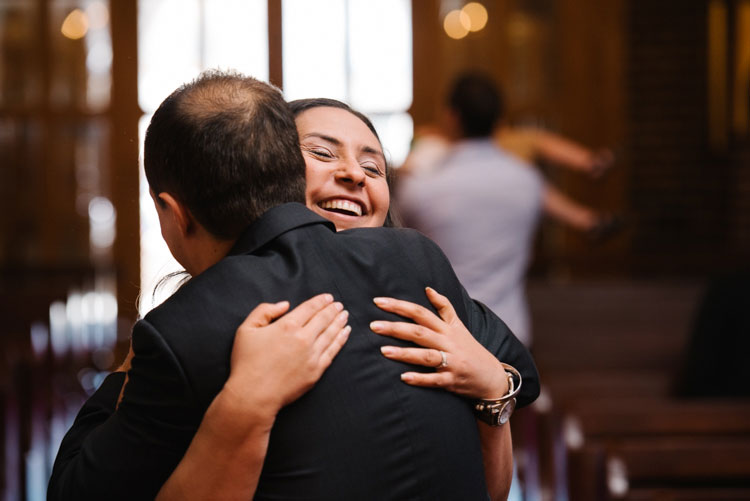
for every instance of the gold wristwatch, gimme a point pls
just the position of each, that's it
(497, 411)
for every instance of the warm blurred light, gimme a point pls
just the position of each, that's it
(75, 25)
(741, 105)
(476, 15)
(98, 15)
(455, 24)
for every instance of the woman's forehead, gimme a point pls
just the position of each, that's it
(336, 123)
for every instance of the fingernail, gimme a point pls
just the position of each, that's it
(346, 330)
(338, 306)
(406, 377)
(429, 289)
(387, 350)
(376, 326)
(343, 315)
(328, 297)
(380, 300)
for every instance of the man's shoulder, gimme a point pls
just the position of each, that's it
(386, 238)
(402, 249)
(215, 281)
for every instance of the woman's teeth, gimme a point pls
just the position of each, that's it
(342, 205)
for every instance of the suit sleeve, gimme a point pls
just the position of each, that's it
(494, 335)
(129, 453)
(97, 409)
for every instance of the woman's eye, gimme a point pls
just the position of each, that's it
(319, 152)
(372, 170)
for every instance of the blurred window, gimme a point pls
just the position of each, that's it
(177, 39)
(357, 51)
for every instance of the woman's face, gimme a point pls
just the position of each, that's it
(346, 181)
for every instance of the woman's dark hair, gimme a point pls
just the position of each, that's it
(300, 106)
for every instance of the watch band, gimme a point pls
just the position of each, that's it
(497, 411)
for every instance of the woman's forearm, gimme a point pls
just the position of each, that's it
(497, 454)
(225, 458)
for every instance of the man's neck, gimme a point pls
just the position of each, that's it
(206, 252)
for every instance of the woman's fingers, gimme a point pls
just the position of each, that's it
(428, 357)
(326, 328)
(413, 311)
(321, 320)
(264, 314)
(334, 346)
(429, 379)
(421, 356)
(442, 305)
(419, 334)
(306, 310)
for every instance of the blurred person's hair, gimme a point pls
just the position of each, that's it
(477, 102)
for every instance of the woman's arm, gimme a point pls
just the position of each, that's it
(497, 454)
(226, 455)
(462, 366)
(533, 144)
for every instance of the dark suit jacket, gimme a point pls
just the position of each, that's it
(360, 433)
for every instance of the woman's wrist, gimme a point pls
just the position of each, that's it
(231, 407)
(498, 385)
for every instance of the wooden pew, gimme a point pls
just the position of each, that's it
(656, 446)
(689, 494)
(569, 386)
(659, 467)
(619, 418)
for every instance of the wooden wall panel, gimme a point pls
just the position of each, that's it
(125, 116)
(561, 66)
(589, 106)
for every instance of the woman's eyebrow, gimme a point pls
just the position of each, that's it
(324, 137)
(372, 151)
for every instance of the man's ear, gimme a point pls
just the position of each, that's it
(180, 214)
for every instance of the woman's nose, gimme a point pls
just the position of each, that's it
(350, 171)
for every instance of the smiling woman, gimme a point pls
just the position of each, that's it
(346, 169)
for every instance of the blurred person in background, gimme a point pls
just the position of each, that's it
(480, 203)
(534, 146)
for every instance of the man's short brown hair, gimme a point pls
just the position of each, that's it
(226, 146)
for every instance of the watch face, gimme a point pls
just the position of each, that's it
(506, 411)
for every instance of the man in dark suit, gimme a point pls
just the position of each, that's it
(223, 206)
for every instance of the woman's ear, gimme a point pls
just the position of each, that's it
(180, 214)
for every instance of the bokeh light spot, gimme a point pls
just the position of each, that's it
(476, 14)
(75, 25)
(455, 24)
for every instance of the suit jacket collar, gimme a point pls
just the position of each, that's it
(273, 223)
